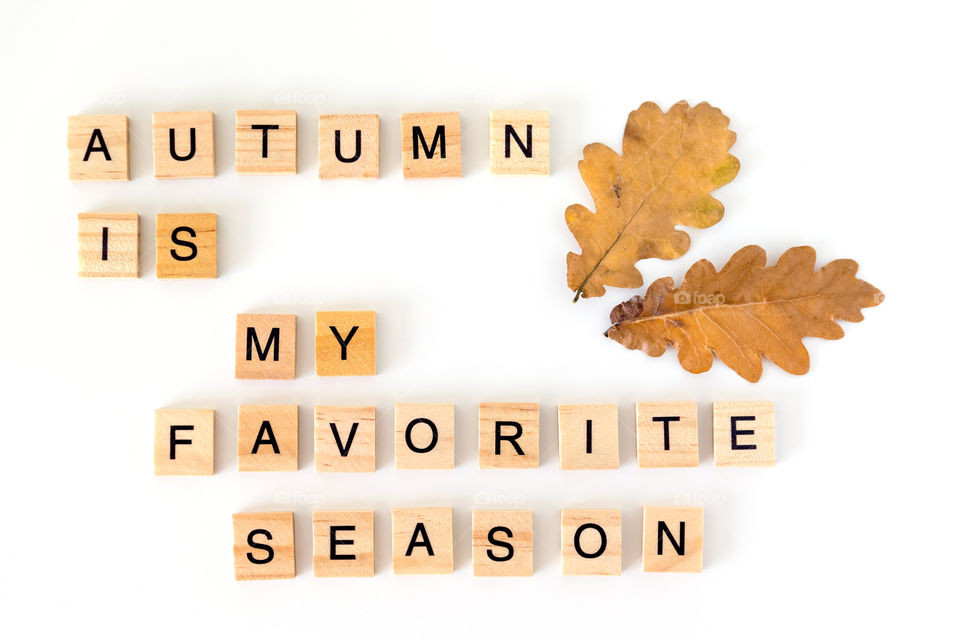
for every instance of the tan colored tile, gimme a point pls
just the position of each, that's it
(520, 142)
(346, 343)
(266, 347)
(589, 436)
(267, 437)
(345, 439)
(98, 148)
(422, 540)
(509, 435)
(343, 544)
(424, 436)
(743, 434)
(340, 155)
(183, 442)
(673, 539)
(667, 434)
(266, 142)
(430, 144)
(263, 546)
(109, 245)
(187, 245)
(183, 144)
(502, 543)
(590, 542)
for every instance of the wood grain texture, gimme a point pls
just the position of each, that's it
(589, 436)
(359, 356)
(509, 415)
(663, 441)
(429, 429)
(281, 143)
(337, 535)
(748, 426)
(412, 530)
(187, 245)
(183, 442)
(507, 155)
(199, 159)
(659, 552)
(446, 159)
(606, 547)
(120, 258)
(267, 437)
(491, 559)
(335, 449)
(271, 529)
(276, 335)
(352, 162)
(106, 137)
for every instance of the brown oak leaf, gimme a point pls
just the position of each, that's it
(671, 163)
(745, 311)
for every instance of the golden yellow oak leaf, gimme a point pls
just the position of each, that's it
(745, 311)
(671, 163)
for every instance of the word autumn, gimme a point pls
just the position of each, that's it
(266, 144)
(502, 541)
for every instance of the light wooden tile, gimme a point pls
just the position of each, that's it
(590, 542)
(266, 346)
(520, 142)
(98, 148)
(422, 540)
(667, 434)
(345, 438)
(589, 436)
(503, 543)
(109, 245)
(183, 144)
(743, 434)
(349, 146)
(343, 544)
(187, 245)
(266, 142)
(430, 144)
(267, 437)
(183, 442)
(509, 435)
(673, 539)
(424, 436)
(346, 343)
(263, 546)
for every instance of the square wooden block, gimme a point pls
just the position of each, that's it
(423, 540)
(589, 436)
(349, 146)
(267, 437)
(590, 542)
(424, 436)
(667, 434)
(266, 346)
(673, 539)
(346, 343)
(186, 245)
(503, 543)
(98, 148)
(183, 144)
(430, 144)
(509, 435)
(743, 434)
(343, 544)
(266, 142)
(345, 438)
(183, 442)
(109, 245)
(263, 546)
(520, 142)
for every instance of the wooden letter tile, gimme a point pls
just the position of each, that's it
(343, 544)
(349, 146)
(345, 438)
(424, 436)
(346, 343)
(673, 539)
(520, 142)
(183, 442)
(263, 547)
(503, 543)
(266, 346)
(266, 142)
(187, 245)
(589, 436)
(743, 434)
(183, 144)
(98, 148)
(509, 435)
(590, 542)
(667, 434)
(267, 437)
(423, 540)
(430, 143)
(109, 245)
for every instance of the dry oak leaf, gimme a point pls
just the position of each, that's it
(746, 311)
(671, 163)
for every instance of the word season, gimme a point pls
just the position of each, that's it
(343, 542)
(266, 144)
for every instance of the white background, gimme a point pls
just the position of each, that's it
(846, 117)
